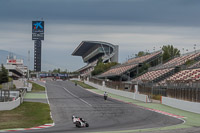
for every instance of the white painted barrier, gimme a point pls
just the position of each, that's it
(10, 105)
(139, 97)
(75, 79)
(181, 104)
(142, 97)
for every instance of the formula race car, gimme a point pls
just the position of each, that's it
(79, 122)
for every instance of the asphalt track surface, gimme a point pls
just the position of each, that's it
(66, 100)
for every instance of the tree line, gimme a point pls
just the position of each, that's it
(3, 74)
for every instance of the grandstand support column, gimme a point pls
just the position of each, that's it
(196, 94)
(129, 78)
(151, 91)
(103, 49)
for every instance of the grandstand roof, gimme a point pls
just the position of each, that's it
(143, 58)
(85, 45)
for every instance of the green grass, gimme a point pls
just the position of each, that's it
(83, 84)
(28, 114)
(35, 96)
(37, 88)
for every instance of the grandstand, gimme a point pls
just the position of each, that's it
(176, 78)
(195, 65)
(91, 51)
(160, 73)
(190, 75)
(130, 69)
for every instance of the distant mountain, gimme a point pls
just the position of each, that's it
(45, 65)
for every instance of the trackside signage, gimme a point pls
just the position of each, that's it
(37, 26)
(37, 30)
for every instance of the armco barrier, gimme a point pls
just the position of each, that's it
(181, 104)
(10, 105)
(139, 97)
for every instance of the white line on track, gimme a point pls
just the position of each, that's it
(73, 94)
(76, 96)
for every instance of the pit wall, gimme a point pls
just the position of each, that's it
(181, 104)
(10, 105)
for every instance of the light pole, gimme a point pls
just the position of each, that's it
(28, 65)
(195, 48)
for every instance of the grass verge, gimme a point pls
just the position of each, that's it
(28, 114)
(83, 84)
(36, 87)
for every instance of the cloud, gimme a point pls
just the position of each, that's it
(61, 39)
(154, 12)
(134, 25)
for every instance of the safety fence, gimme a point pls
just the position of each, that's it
(184, 91)
(5, 91)
(150, 89)
(181, 90)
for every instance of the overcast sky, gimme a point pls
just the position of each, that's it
(134, 25)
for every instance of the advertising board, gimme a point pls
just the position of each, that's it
(37, 36)
(37, 26)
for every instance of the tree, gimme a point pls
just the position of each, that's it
(56, 70)
(101, 67)
(3, 75)
(141, 53)
(100, 60)
(170, 52)
(144, 67)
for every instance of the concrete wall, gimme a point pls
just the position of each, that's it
(9, 105)
(139, 97)
(181, 104)
(142, 97)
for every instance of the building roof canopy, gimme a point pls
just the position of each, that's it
(85, 45)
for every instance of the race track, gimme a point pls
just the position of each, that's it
(66, 100)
